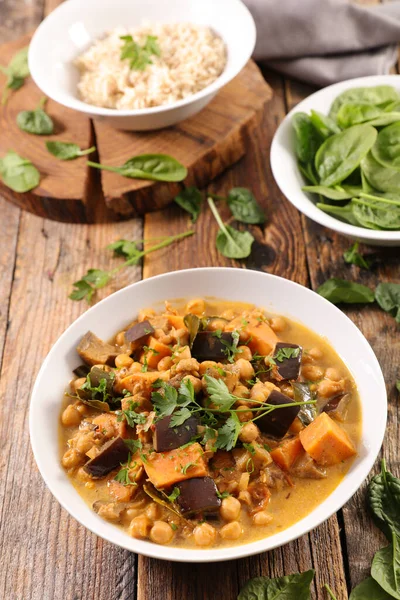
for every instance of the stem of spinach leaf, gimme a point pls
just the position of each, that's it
(328, 589)
(376, 198)
(217, 217)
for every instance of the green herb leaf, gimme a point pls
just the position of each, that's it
(286, 353)
(377, 96)
(388, 297)
(18, 173)
(324, 124)
(244, 207)
(386, 568)
(179, 417)
(133, 445)
(130, 416)
(307, 138)
(231, 242)
(219, 394)
(125, 248)
(139, 56)
(384, 501)
(369, 590)
(156, 167)
(190, 199)
(353, 257)
(165, 403)
(348, 292)
(16, 71)
(192, 322)
(174, 494)
(229, 433)
(36, 121)
(67, 150)
(94, 279)
(289, 587)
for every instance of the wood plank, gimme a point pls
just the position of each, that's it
(280, 250)
(325, 250)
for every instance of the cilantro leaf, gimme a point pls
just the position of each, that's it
(130, 416)
(92, 281)
(165, 403)
(231, 349)
(285, 353)
(186, 392)
(219, 393)
(125, 248)
(179, 417)
(133, 445)
(228, 433)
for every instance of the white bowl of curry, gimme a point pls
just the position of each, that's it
(213, 414)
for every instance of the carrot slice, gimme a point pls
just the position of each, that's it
(326, 441)
(286, 454)
(164, 469)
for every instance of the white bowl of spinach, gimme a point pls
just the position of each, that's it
(336, 157)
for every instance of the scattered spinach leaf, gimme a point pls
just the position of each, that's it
(156, 167)
(348, 292)
(289, 587)
(18, 173)
(244, 207)
(231, 242)
(36, 121)
(16, 71)
(384, 501)
(190, 199)
(386, 568)
(328, 192)
(388, 297)
(353, 257)
(369, 590)
(67, 150)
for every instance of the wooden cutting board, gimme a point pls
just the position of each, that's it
(206, 144)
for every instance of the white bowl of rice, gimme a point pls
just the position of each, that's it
(140, 64)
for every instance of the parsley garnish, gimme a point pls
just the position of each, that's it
(285, 353)
(139, 56)
(101, 389)
(250, 448)
(232, 349)
(228, 433)
(123, 474)
(130, 416)
(147, 350)
(186, 467)
(223, 494)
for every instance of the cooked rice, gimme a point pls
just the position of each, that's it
(192, 57)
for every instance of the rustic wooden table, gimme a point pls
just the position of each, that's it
(47, 555)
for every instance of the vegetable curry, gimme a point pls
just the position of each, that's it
(208, 424)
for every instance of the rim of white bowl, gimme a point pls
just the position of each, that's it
(176, 554)
(300, 199)
(76, 104)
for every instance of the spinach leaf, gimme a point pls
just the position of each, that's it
(386, 568)
(353, 257)
(386, 149)
(354, 113)
(376, 213)
(192, 322)
(369, 590)
(384, 501)
(382, 178)
(388, 297)
(190, 199)
(341, 153)
(16, 71)
(231, 242)
(156, 167)
(307, 170)
(348, 292)
(328, 192)
(344, 213)
(324, 124)
(244, 207)
(377, 95)
(289, 587)
(67, 150)
(18, 173)
(385, 119)
(307, 140)
(36, 121)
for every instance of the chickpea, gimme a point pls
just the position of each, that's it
(328, 388)
(77, 383)
(230, 509)
(131, 513)
(161, 533)
(182, 354)
(207, 364)
(82, 409)
(204, 534)
(249, 433)
(197, 386)
(287, 389)
(83, 476)
(312, 372)
(165, 363)
(140, 527)
(71, 417)
(182, 336)
(261, 391)
(84, 443)
(216, 324)
(242, 391)
(244, 353)
(244, 415)
(145, 314)
(316, 353)
(228, 314)
(72, 458)
(245, 369)
(277, 324)
(123, 360)
(196, 306)
(120, 338)
(135, 367)
(231, 531)
(262, 518)
(332, 374)
(153, 511)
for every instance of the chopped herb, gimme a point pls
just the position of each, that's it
(96, 279)
(353, 257)
(231, 349)
(147, 351)
(285, 353)
(174, 495)
(130, 416)
(267, 448)
(123, 475)
(102, 389)
(186, 467)
(173, 526)
(250, 465)
(139, 56)
(223, 494)
(133, 445)
(250, 448)
(228, 433)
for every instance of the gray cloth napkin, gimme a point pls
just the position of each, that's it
(324, 41)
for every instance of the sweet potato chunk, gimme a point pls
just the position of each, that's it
(262, 338)
(140, 382)
(155, 352)
(326, 442)
(176, 321)
(286, 454)
(164, 469)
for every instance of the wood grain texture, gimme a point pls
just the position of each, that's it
(206, 144)
(65, 186)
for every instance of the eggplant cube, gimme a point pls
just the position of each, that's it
(139, 332)
(198, 494)
(208, 346)
(287, 368)
(111, 456)
(277, 422)
(168, 438)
